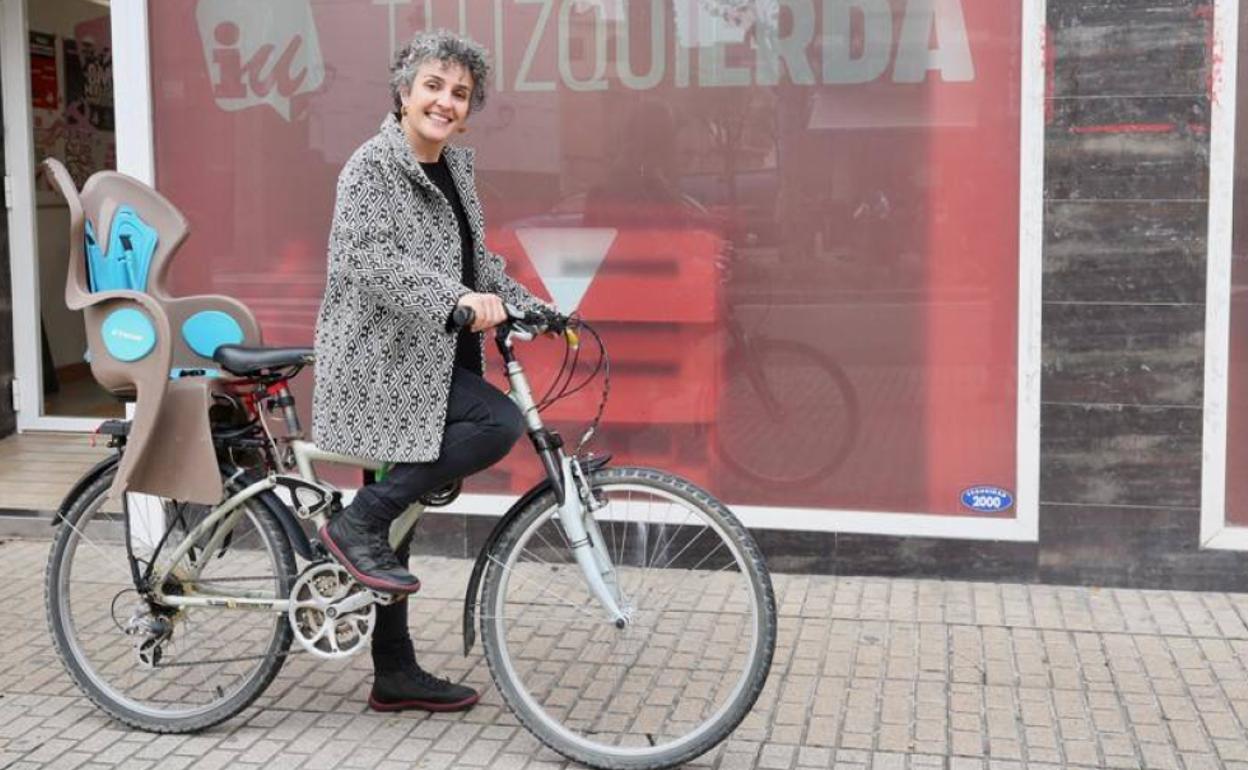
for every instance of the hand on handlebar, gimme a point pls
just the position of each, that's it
(487, 310)
(542, 320)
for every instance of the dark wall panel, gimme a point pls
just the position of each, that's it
(1125, 251)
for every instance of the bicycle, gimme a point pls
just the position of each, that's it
(627, 618)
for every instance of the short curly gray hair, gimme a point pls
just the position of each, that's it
(440, 45)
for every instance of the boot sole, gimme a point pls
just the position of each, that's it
(375, 583)
(424, 705)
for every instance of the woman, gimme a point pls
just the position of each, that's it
(407, 246)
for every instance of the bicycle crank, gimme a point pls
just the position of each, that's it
(331, 614)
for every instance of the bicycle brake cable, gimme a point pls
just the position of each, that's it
(604, 363)
(561, 386)
(594, 373)
(545, 400)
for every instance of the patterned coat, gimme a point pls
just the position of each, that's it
(383, 355)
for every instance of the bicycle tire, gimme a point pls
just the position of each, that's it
(86, 512)
(536, 704)
(740, 435)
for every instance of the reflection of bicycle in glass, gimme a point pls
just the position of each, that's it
(627, 617)
(788, 414)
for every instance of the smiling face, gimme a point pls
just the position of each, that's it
(435, 108)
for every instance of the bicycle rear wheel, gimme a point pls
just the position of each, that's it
(215, 660)
(686, 669)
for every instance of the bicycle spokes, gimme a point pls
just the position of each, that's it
(687, 657)
(145, 661)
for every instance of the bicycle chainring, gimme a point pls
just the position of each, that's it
(326, 613)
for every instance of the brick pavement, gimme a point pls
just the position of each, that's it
(870, 673)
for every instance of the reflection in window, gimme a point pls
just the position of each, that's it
(795, 220)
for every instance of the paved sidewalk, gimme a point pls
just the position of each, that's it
(870, 673)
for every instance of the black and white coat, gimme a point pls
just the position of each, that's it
(383, 354)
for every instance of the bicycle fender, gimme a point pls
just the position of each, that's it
(290, 525)
(471, 597)
(88, 478)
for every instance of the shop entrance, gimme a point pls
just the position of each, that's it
(61, 92)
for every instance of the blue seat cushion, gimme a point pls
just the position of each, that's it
(208, 330)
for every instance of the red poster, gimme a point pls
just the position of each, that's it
(43, 85)
(799, 234)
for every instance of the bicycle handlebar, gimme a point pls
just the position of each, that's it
(461, 318)
(535, 322)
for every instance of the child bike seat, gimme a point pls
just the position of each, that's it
(144, 343)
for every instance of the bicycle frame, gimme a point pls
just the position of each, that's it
(222, 519)
(564, 474)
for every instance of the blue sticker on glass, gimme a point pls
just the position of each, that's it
(987, 499)
(128, 334)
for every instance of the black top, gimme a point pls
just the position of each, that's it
(467, 345)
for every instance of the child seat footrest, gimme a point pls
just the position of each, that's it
(114, 428)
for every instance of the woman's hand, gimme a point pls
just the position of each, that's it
(488, 308)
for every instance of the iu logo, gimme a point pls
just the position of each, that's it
(259, 52)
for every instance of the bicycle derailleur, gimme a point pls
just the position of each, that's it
(332, 615)
(151, 629)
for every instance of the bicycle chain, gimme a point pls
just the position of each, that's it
(228, 660)
(239, 659)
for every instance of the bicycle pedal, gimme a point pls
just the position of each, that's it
(443, 496)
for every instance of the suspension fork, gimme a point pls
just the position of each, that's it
(585, 539)
(572, 491)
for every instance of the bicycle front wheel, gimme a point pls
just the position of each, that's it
(213, 660)
(686, 668)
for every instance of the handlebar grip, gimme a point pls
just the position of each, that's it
(462, 317)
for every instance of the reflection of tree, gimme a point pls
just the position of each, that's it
(778, 115)
(743, 13)
(759, 18)
(739, 132)
(795, 199)
(790, 118)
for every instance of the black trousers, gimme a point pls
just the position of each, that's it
(482, 425)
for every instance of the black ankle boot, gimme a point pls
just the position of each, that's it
(400, 684)
(361, 544)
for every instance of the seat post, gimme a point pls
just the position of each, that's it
(287, 402)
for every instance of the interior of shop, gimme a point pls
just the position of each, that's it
(73, 121)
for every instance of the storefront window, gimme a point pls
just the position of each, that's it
(795, 222)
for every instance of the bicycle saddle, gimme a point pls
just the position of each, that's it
(244, 361)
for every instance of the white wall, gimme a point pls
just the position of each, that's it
(66, 335)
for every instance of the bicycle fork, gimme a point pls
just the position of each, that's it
(576, 499)
(585, 538)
